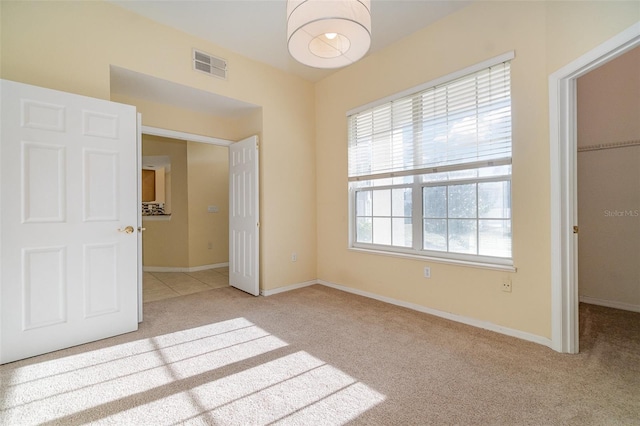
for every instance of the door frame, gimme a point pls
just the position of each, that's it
(173, 134)
(564, 211)
(139, 215)
(157, 131)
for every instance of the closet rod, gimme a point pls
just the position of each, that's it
(609, 145)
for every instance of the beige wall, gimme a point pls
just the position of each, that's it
(545, 37)
(70, 46)
(609, 183)
(191, 236)
(165, 116)
(166, 242)
(208, 175)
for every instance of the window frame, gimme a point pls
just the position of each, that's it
(418, 185)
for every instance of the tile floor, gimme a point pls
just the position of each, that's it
(164, 285)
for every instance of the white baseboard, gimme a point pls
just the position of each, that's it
(447, 315)
(610, 304)
(182, 269)
(287, 288)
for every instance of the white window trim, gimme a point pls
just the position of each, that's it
(507, 267)
(476, 261)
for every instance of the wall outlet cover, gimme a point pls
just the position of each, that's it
(427, 272)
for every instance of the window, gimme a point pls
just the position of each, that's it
(430, 171)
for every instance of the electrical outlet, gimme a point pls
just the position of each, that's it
(210, 245)
(294, 257)
(506, 285)
(427, 272)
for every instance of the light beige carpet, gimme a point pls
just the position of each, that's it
(318, 356)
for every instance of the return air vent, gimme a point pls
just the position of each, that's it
(208, 64)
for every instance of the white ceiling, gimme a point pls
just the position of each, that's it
(257, 28)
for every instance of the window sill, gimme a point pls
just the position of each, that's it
(457, 262)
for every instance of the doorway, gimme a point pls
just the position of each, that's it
(608, 139)
(185, 213)
(564, 209)
(166, 105)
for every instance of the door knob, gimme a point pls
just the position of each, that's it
(128, 230)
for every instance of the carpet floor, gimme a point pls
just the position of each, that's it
(319, 356)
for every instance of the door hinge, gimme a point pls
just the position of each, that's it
(575, 229)
(258, 224)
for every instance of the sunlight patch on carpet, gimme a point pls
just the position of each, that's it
(180, 377)
(293, 389)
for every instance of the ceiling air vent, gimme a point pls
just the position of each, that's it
(209, 64)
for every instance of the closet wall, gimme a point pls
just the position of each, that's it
(609, 183)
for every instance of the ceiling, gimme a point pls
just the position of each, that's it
(257, 28)
(153, 89)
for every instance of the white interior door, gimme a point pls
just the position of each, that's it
(244, 220)
(68, 191)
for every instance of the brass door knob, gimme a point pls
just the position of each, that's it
(128, 230)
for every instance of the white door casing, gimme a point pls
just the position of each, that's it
(139, 209)
(563, 144)
(68, 185)
(244, 220)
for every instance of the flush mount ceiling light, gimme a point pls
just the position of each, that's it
(328, 33)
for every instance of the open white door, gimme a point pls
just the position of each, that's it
(68, 252)
(244, 260)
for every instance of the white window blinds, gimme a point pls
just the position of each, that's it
(464, 123)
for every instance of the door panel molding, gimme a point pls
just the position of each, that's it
(244, 216)
(68, 180)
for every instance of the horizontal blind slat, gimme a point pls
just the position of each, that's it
(460, 122)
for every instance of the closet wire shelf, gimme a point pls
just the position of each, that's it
(610, 145)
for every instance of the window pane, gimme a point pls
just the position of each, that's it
(382, 202)
(402, 232)
(462, 236)
(363, 203)
(382, 182)
(494, 200)
(435, 201)
(382, 230)
(402, 180)
(435, 234)
(495, 171)
(462, 201)
(363, 230)
(402, 202)
(495, 238)
(463, 174)
(435, 177)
